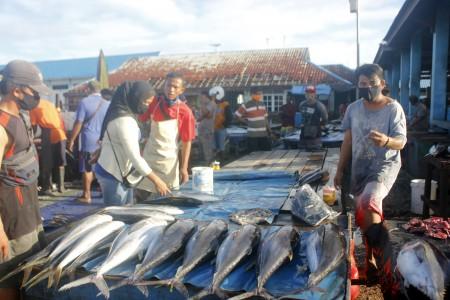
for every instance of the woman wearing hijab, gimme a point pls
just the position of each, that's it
(120, 144)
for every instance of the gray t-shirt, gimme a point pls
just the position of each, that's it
(369, 162)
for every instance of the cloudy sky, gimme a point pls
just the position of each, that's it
(57, 29)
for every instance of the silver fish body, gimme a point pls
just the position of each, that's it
(171, 210)
(132, 215)
(252, 216)
(425, 267)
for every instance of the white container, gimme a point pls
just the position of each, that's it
(417, 190)
(203, 179)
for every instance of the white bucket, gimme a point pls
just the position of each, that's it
(203, 179)
(417, 190)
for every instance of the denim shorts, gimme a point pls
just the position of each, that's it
(114, 192)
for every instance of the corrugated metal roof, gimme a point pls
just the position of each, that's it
(231, 69)
(83, 67)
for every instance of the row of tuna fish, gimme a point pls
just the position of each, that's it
(155, 240)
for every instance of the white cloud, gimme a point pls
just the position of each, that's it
(54, 29)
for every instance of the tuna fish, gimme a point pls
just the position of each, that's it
(90, 240)
(237, 245)
(328, 249)
(252, 216)
(128, 244)
(171, 210)
(200, 247)
(168, 244)
(60, 245)
(275, 250)
(425, 267)
(132, 214)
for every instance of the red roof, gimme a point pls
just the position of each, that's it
(231, 69)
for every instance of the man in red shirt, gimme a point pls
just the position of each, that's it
(172, 121)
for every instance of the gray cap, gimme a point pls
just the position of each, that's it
(25, 73)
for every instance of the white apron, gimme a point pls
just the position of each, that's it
(161, 153)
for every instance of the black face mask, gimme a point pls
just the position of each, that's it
(369, 93)
(29, 102)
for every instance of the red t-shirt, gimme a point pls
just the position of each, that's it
(186, 120)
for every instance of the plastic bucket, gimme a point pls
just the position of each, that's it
(417, 190)
(203, 179)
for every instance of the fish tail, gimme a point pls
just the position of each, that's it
(265, 294)
(245, 295)
(99, 282)
(201, 294)
(37, 278)
(180, 287)
(121, 283)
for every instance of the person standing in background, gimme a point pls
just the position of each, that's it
(90, 114)
(206, 126)
(287, 116)
(254, 113)
(53, 145)
(314, 117)
(222, 120)
(172, 121)
(418, 121)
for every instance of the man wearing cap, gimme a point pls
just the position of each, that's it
(21, 231)
(90, 114)
(254, 113)
(222, 119)
(314, 116)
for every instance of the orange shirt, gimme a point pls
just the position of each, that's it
(219, 117)
(46, 116)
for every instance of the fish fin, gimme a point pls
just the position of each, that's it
(121, 283)
(202, 294)
(26, 275)
(244, 295)
(50, 281)
(78, 282)
(265, 294)
(180, 287)
(143, 289)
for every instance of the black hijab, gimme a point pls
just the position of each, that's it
(128, 100)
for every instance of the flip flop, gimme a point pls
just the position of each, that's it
(83, 200)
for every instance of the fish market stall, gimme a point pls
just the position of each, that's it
(234, 242)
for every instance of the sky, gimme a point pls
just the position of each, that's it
(60, 29)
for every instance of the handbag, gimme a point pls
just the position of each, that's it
(133, 177)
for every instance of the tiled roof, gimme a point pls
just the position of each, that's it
(342, 71)
(231, 69)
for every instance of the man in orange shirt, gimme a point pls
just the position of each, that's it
(53, 144)
(222, 119)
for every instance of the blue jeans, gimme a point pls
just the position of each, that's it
(220, 136)
(114, 192)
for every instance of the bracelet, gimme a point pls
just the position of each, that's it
(387, 142)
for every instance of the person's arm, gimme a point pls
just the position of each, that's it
(390, 142)
(127, 131)
(396, 139)
(344, 158)
(323, 114)
(75, 132)
(185, 153)
(241, 114)
(4, 242)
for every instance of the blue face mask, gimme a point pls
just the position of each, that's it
(171, 102)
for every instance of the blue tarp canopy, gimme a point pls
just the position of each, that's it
(321, 89)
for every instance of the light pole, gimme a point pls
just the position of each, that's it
(354, 9)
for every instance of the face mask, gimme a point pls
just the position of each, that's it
(28, 102)
(369, 93)
(171, 102)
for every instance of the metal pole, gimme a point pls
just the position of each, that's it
(357, 35)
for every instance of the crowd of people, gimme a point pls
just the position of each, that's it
(129, 165)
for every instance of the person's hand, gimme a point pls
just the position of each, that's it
(70, 145)
(338, 179)
(4, 245)
(184, 176)
(378, 138)
(161, 186)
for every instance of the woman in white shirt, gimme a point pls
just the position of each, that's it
(120, 150)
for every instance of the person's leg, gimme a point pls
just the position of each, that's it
(222, 135)
(88, 178)
(60, 162)
(114, 192)
(369, 216)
